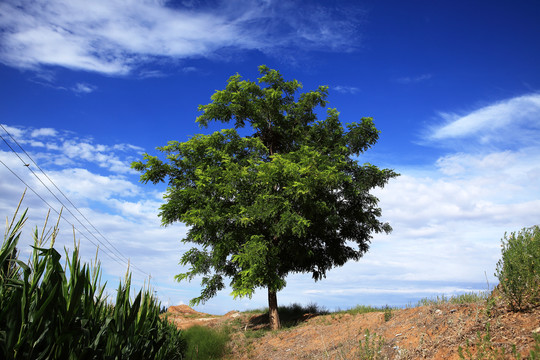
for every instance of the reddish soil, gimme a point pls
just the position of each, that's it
(427, 332)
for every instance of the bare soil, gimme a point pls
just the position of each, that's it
(427, 332)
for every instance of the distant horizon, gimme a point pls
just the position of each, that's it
(454, 88)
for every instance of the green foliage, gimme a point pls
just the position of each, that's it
(51, 312)
(290, 197)
(387, 313)
(206, 343)
(519, 269)
(371, 346)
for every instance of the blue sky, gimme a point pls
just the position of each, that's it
(454, 87)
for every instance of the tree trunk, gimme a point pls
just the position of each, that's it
(273, 310)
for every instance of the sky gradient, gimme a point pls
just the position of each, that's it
(454, 87)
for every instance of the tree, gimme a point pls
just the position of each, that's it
(288, 198)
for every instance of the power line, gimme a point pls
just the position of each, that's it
(61, 192)
(60, 201)
(56, 211)
(67, 208)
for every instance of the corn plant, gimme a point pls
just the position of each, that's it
(50, 311)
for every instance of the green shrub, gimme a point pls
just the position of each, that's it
(387, 313)
(371, 346)
(50, 311)
(519, 269)
(206, 343)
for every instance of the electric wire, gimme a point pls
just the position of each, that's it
(52, 182)
(61, 192)
(67, 208)
(56, 211)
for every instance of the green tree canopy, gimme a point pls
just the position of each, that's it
(289, 198)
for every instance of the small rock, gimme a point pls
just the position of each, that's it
(536, 331)
(438, 312)
(398, 334)
(453, 311)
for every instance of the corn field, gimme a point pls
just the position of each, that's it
(50, 311)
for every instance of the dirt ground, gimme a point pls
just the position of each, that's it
(428, 332)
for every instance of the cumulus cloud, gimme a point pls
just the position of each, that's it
(43, 132)
(515, 120)
(116, 36)
(16, 132)
(58, 147)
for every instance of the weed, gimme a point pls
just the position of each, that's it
(519, 268)
(490, 305)
(534, 354)
(387, 313)
(255, 334)
(371, 346)
(483, 349)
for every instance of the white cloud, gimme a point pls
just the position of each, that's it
(116, 36)
(83, 184)
(83, 88)
(43, 132)
(14, 131)
(346, 89)
(64, 148)
(515, 120)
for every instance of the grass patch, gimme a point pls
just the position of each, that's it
(206, 343)
(364, 309)
(466, 298)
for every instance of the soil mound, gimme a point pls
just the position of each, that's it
(184, 310)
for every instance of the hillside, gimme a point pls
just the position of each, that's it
(433, 331)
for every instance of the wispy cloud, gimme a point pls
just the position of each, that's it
(83, 88)
(346, 89)
(116, 36)
(413, 79)
(511, 121)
